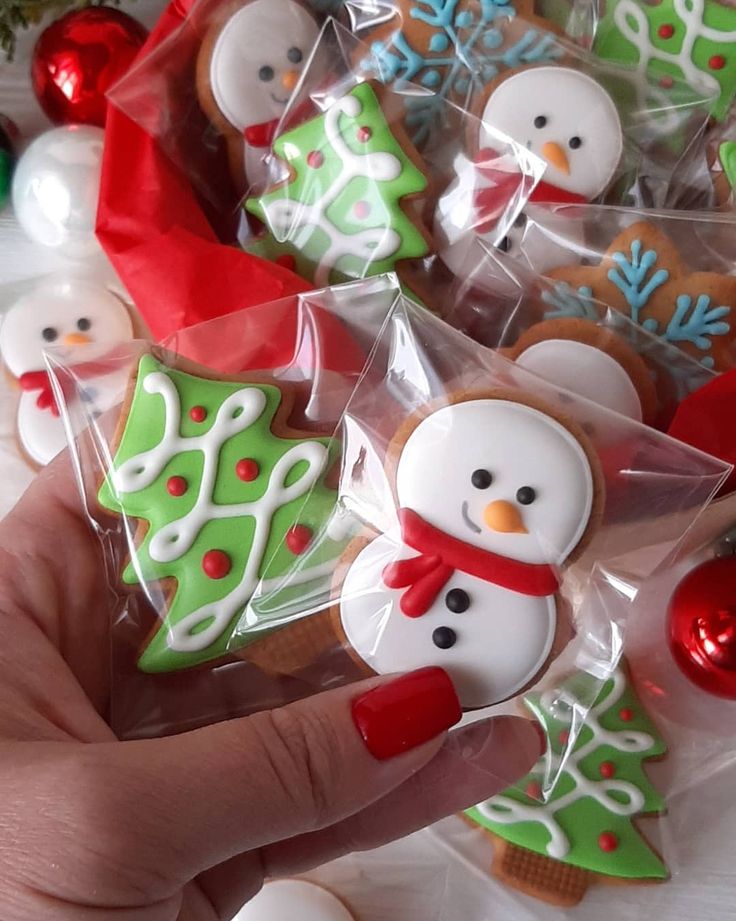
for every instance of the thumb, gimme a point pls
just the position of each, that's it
(200, 798)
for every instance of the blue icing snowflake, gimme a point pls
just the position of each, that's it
(567, 302)
(465, 50)
(635, 274)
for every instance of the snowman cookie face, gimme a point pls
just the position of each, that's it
(493, 496)
(257, 59)
(500, 475)
(81, 321)
(566, 118)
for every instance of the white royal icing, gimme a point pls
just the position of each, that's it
(291, 220)
(58, 305)
(504, 637)
(507, 811)
(520, 446)
(294, 900)
(585, 370)
(239, 411)
(260, 34)
(574, 106)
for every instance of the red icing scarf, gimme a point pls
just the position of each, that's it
(261, 135)
(491, 201)
(41, 381)
(425, 576)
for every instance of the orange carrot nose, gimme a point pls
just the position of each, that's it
(556, 156)
(504, 517)
(290, 79)
(76, 339)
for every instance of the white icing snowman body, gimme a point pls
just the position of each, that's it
(294, 900)
(505, 485)
(82, 322)
(568, 120)
(255, 64)
(586, 371)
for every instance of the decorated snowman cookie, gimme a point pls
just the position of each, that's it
(494, 494)
(294, 900)
(83, 323)
(250, 62)
(562, 116)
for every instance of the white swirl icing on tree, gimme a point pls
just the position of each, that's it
(504, 810)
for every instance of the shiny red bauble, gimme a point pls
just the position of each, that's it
(702, 626)
(78, 58)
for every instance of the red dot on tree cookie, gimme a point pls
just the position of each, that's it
(315, 159)
(364, 134)
(176, 486)
(667, 30)
(298, 538)
(607, 841)
(534, 790)
(607, 769)
(197, 413)
(564, 736)
(287, 261)
(717, 62)
(667, 82)
(361, 210)
(216, 564)
(247, 469)
(627, 714)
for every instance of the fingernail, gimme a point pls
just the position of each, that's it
(406, 712)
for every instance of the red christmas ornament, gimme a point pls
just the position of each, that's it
(78, 58)
(702, 626)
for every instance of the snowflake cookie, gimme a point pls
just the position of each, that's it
(453, 48)
(672, 41)
(554, 844)
(644, 276)
(229, 500)
(343, 212)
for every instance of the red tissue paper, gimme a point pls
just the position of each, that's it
(705, 420)
(156, 233)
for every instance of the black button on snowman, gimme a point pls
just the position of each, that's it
(494, 494)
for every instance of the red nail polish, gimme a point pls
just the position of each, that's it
(406, 712)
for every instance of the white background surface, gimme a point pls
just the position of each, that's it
(419, 878)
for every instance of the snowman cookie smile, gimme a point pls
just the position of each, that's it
(468, 520)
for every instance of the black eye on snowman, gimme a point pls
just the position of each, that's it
(526, 495)
(481, 479)
(295, 55)
(540, 121)
(266, 74)
(83, 324)
(50, 334)
(575, 142)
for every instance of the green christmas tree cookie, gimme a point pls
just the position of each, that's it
(340, 214)
(231, 507)
(727, 156)
(554, 848)
(672, 40)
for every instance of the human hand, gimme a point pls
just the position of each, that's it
(187, 827)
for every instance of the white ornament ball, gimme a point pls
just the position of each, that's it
(56, 186)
